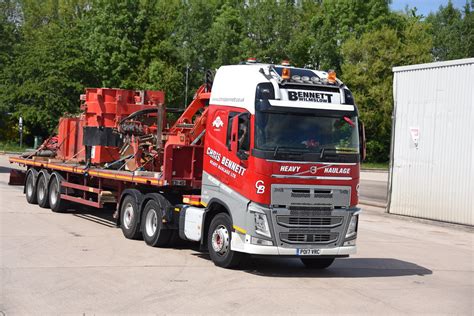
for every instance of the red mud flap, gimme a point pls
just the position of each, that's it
(17, 177)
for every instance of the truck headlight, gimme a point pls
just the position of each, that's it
(261, 221)
(352, 229)
(261, 225)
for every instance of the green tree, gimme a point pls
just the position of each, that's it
(49, 70)
(337, 21)
(453, 32)
(194, 22)
(226, 33)
(9, 36)
(160, 66)
(113, 34)
(268, 29)
(367, 70)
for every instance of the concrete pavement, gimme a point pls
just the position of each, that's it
(79, 263)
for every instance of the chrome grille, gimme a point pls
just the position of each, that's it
(314, 238)
(311, 208)
(295, 221)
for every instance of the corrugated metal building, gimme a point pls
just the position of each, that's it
(432, 158)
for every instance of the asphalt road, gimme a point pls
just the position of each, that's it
(79, 263)
(373, 187)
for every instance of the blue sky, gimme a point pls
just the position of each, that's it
(424, 6)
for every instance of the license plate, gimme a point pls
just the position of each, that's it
(308, 252)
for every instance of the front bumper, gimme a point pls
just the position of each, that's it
(241, 243)
(291, 230)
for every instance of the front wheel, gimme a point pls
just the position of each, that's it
(317, 263)
(219, 239)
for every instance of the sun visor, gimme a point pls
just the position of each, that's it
(312, 105)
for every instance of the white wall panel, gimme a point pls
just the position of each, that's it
(436, 179)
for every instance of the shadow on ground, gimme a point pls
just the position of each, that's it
(341, 268)
(99, 216)
(4, 169)
(288, 267)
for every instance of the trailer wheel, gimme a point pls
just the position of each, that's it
(42, 189)
(153, 230)
(129, 217)
(56, 204)
(219, 239)
(317, 263)
(30, 186)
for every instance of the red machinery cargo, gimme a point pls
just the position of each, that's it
(106, 107)
(103, 110)
(70, 139)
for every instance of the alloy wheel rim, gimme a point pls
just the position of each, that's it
(54, 194)
(220, 240)
(151, 222)
(128, 215)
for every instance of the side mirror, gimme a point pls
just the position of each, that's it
(362, 143)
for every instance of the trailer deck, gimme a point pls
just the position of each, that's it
(119, 175)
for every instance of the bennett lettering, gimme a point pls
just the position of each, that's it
(309, 96)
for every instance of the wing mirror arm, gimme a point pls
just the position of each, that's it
(362, 142)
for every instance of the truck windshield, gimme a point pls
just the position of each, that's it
(303, 133)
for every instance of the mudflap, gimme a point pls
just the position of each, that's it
(17, 177)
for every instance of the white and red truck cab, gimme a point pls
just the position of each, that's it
(281, 157)
(264, 161)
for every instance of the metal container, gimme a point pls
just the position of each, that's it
(432, 156)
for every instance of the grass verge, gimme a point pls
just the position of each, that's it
(10, 146)
(375, 165)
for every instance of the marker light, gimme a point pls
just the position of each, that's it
(305, 78)
(314, 79)
(285, 63)
(331, 76)
(251, 60)
(296, 78)
(285, 74)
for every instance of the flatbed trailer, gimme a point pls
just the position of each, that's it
(264, 161)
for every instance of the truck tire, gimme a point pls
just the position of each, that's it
(317, 263)
(42, 189)
(153, 230)
(218, 242)
(30, 186)
(56, 204)
(129, 217)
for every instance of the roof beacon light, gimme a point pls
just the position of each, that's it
(285, 63)
(331, 76)
(251, 60)
(285, 74)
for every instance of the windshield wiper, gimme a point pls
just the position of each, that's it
(288, 150)
(336, 150)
